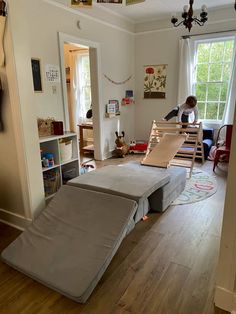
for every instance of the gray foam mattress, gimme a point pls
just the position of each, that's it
(160, 199)
(71, 243)
(136, 183)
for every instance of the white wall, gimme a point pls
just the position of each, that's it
(35, 26)
(157, 43)
(225, 296)
(13, 194)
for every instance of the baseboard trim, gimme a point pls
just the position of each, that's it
(14, 220)
(225, 299)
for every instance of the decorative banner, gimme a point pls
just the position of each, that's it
(52, 73)
(117, 83)
(155, 81)
(128, 2)
(82, 3)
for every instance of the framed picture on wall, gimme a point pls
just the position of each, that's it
(155, 81)
(116, 105)
(82, 3)
(36, 73)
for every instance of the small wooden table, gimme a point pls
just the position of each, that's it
(82, 146)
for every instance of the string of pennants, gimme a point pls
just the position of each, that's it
(89, 3)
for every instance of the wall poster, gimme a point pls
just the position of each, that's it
(155, 81)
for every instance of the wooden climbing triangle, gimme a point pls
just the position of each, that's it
(174, 144)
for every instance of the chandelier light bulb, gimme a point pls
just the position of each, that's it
(204, 8)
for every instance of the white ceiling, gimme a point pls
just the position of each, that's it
(159, 9)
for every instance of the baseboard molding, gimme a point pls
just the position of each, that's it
(225, 299)
(14, 220)
(108, 154)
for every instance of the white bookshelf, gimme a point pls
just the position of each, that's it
(53, 177)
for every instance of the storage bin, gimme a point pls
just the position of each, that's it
(65, 146)
(51, 182)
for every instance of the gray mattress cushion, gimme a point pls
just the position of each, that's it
(135, 183)
(71, 243)
(163, 197)
(160, 199)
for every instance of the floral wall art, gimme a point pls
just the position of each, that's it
(155, 81)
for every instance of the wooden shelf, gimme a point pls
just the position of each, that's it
(50, 168)
(51, 144)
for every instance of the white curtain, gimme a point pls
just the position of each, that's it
(79, 109)
(231, 96)
(185, 70)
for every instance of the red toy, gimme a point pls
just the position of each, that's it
(138, 147)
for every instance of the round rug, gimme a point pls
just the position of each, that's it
(199, 187)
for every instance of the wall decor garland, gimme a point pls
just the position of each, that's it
(3, 14)
(117, 83)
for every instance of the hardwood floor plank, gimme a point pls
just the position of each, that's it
(110, 291)
(200, 283)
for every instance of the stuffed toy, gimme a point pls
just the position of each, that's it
(122, 148)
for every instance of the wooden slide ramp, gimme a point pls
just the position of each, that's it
(173, 143)
(164, 152)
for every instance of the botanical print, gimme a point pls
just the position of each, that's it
(82, 3)
(155, 81)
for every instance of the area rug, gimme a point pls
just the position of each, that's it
(199, 187)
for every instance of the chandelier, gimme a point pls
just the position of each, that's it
(188, 17)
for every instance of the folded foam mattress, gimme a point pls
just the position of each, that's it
(71, 243)
(160, 199)
(136, 183)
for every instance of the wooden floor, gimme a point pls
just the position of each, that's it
(166, 265)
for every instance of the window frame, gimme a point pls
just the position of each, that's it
(209, 39)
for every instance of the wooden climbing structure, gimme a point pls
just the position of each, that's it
(176, 144)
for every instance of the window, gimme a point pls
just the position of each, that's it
(85, 83)
(212, 71)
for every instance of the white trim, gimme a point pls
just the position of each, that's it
(176, 28)
(65, 38)
(74, 11)
(224, 299)
(14, 220)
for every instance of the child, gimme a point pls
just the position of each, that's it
(183, 111)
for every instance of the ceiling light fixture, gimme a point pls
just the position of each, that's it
(188, 17)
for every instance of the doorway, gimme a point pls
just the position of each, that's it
(80, 84)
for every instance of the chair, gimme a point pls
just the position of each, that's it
(225, 149)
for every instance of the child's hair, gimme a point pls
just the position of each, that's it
(191, 101)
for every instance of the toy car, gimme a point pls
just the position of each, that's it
(138, 147)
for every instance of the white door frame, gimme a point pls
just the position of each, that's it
(97, 113)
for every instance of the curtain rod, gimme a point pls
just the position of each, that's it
(188, 36)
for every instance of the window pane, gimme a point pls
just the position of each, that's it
(229, 45)
(211, 112)
(201, 110)
(203, 53)
(213, 91)
(202, 72)
(217, 51)
(200, 91)
(226, 72)
(223, 94)
(215, 72)
(221, 111)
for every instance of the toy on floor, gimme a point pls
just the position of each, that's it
(122, 148)
(138, 147)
